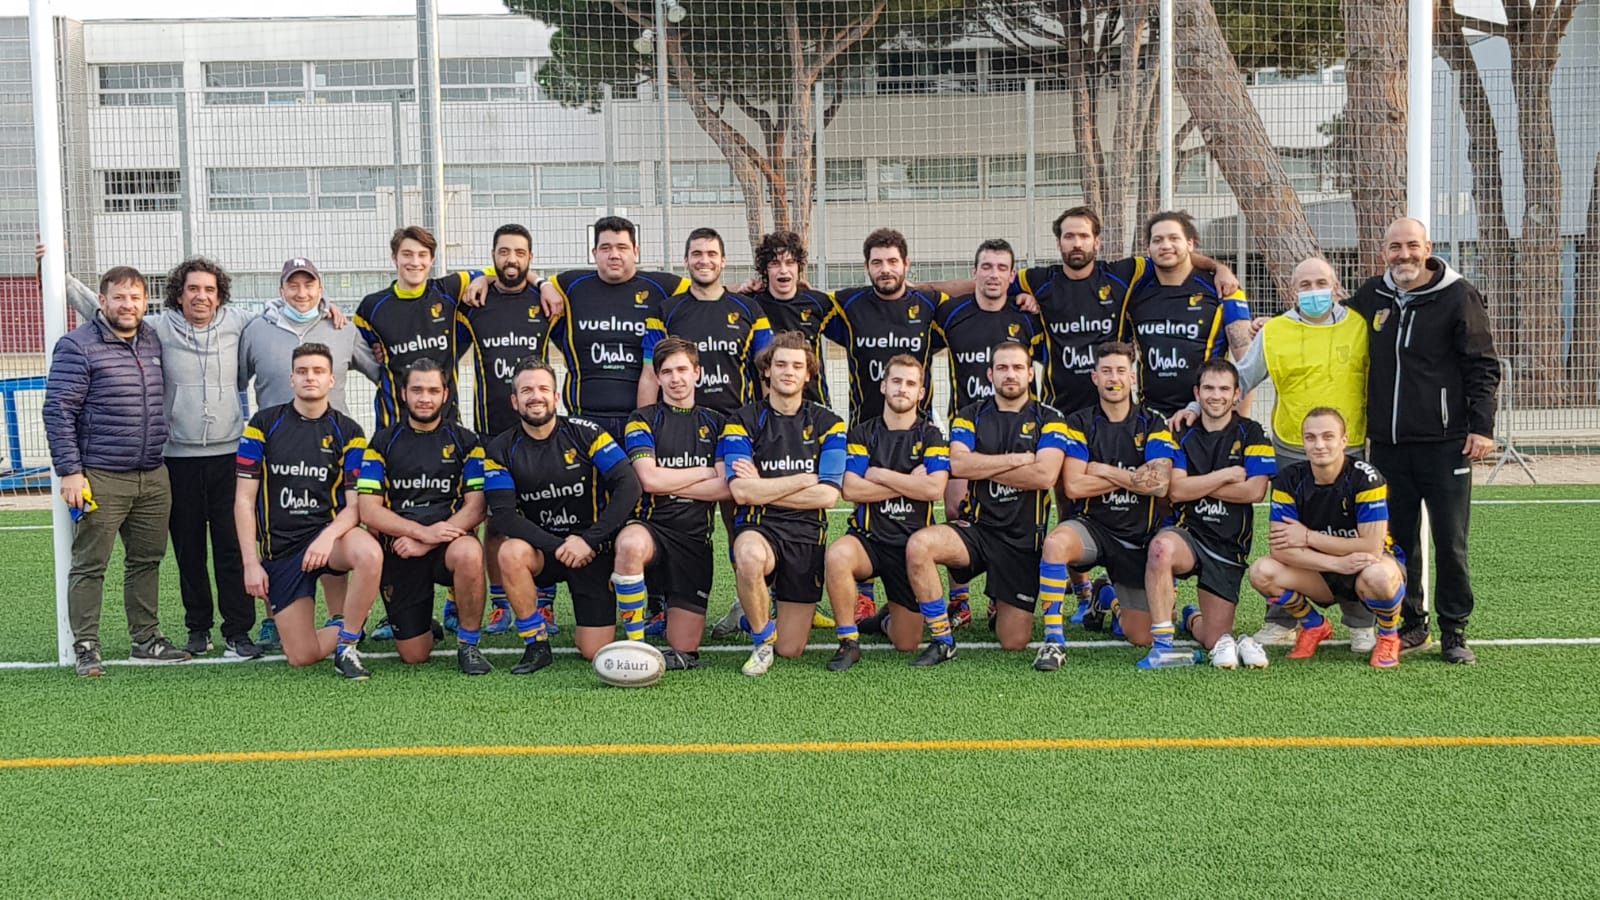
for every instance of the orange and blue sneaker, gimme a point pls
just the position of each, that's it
(960, 613)
(866, 607)
(499, 620)
(1305, 646)
(1386, 655)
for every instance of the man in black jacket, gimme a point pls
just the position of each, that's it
(1430, 414)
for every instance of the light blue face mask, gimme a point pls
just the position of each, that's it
(302, 318)
(1315, 304)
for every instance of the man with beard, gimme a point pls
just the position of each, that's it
(1009, 450)
(1223, 465)
(559, 490)
(780, 264)
(1179, 316)
(510, 325)
(784, 458)
(673, 447)
(895, 467)
(1118, 467)
(972, 324)
(728, 330)
(422, 493)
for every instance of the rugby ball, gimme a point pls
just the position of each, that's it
(629, 664)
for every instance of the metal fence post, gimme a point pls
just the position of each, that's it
(185, 176)
(820, 226)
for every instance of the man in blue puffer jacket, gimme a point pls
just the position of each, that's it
(106, 425)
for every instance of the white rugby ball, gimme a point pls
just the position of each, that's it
(629, 664)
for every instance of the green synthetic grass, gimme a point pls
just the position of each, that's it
(1423, 822)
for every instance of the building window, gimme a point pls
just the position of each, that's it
(1054, 175)
(1194, 175)
(140, 190)
(357, 187)
(1304, 170)
(363, 81)
(583, 185)
(255, 83)
(937, 178)
(140, 84)
(485, 80)
(1009, 72)
(928, 72)
(258, 190)
(494, 187)
(704, 183)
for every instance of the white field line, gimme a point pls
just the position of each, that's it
(736, 648)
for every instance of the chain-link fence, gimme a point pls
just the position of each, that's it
(252, 142)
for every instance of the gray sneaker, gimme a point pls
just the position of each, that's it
(158, 649)
(89, 664)
(199, 643)
(242, 648)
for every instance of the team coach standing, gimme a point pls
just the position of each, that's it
(104, 417)
(1430, 413)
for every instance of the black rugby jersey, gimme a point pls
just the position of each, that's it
(804, 312)
(676, 439)
(607, 336)
(728, 332)
(1140, 438)
(506, 329)
(422, 475)
(1360, 494)
(970, 333)
(410, 326)
(810, 441)
(872, 330)
(305, 466)
(1220, 526)
(1177, 327)
(1078, 315)
(985, 428)
(873, 443)
(576, 481)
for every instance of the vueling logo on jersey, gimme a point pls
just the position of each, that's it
(419, 343)
(571, 456)
(298, 470)
(640, 298)
(611, 324)
(437, 311)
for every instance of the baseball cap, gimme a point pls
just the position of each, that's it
(299, 264)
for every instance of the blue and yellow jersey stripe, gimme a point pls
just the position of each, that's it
(1372, 505)
(1260, 459)
(1283, 506)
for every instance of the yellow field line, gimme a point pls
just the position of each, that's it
(947, 746)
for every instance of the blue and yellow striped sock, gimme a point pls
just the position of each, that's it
(1298, 606)
(631, 599)
(497, 596)
(766, 635)
(1162, 633)
(937, 615)
(532, 629)
(847, 632)
(1387, 611)
(867, 589)
(468, 637)
(960, 593)
(1052, 595)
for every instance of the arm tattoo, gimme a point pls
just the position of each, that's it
(1153, 478)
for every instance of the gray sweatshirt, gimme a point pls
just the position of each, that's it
(201, 374)
(267, 347)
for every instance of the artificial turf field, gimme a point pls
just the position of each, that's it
(978, 778)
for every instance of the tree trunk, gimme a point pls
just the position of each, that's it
(1583, 363)
(1496, 254)
(1375, 116)
(1135, 90)
(1081, 50)
(1539, 249)
(1231, 127)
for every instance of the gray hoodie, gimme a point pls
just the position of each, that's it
(267, 348)
(201, 371)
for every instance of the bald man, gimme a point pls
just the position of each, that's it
(1316, 356)
(1431, 392)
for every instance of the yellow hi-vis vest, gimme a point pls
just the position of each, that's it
(1317, 365)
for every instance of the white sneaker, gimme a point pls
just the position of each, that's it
(1363, 640)
(1250, 653)
(1225, 653)
(760, 660)
(1274, 635)
(728, 625)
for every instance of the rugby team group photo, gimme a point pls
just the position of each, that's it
(1101, 444)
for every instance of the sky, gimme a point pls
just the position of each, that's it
(205, 9)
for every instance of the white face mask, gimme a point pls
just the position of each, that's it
(1315, 304)
(302, 318)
